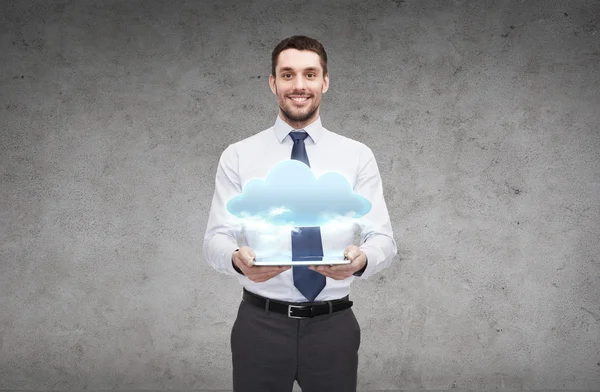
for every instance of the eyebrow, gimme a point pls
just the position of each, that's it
(287, 69)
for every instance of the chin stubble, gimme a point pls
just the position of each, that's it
(298, 118)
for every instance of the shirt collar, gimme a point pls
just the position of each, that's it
(282, 129)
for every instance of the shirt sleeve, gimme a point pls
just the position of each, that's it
(377, 238)
(223, 233)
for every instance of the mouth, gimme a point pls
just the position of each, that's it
(299, 99)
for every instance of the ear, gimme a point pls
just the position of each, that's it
(272, 84)
(325, 84)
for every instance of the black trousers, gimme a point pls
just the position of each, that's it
(270, 351)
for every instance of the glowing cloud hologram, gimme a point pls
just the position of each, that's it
(292, 195)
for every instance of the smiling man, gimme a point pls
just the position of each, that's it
(302, 79)
(296, 322)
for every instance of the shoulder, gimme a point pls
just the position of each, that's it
(249, 143)
(351, 145)
(256, 138)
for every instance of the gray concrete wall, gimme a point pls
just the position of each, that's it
(484, 118)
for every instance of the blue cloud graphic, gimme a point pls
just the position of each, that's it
(291, 195)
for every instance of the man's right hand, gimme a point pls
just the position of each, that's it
(244, 257)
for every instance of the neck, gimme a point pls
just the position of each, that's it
(298, 124)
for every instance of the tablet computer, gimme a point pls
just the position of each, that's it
(325, 260)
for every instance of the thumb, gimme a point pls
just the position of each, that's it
(351, 252)
(250, 257)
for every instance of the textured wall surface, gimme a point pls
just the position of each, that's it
(483, 116)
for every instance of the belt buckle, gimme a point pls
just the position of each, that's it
(289, 312)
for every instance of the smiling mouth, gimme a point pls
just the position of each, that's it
(299, 99)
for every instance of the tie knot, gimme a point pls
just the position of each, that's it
(296, 136)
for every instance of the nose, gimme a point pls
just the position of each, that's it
(299, 83)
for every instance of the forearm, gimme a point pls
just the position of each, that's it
(380, 251)
(218, 250)
(223, 231)
(377, 237)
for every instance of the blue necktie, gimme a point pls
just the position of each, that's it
(306, 241)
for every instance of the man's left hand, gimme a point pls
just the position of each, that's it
(339, 272)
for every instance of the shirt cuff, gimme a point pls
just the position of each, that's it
(362, 270)
(235, 267)
(369, 267)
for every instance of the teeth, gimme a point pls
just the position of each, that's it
(299, 99)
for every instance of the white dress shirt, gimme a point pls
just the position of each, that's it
(253, 158)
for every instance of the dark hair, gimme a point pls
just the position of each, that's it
(299, 42)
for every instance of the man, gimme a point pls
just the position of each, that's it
(295, 323)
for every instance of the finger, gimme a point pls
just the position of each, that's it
(262, 277)
(352, 253)
(334, 272)
(343, 267)
(269, 272)
(325, 270)
(353, 265)
(245, 261)
(338, 267)
(247, 255)
(335, 276)
(249, 260)
(322, 271)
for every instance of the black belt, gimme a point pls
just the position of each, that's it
(297, 310)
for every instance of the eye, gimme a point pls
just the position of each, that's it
(311, 75)
(286, 75)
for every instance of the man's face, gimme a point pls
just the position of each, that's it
(298, 84)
